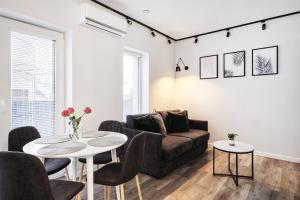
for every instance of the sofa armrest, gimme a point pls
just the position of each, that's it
(198, 124)
(153, 144)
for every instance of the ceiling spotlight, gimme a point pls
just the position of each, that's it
(146, 11)
(196, 40)
(129, 21)
(153, 33)
(228, 33)
(263, 25)
(169, 41)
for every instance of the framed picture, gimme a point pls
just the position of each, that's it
(234, 64)
(265, 61)
(208, 67)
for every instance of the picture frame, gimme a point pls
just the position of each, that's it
(265, 61)
(234, 64)
(208, 67)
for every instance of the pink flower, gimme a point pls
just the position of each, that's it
(65, 113)
(87, 110)
(71, 110)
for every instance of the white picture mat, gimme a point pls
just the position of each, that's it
(268, 53)
(208, 67)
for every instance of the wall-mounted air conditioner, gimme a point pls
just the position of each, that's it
(96, 18)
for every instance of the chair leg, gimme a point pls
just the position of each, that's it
(105, 192)
(138, 187)
(78, 197)
(81, 172)
(67, 174)
(122, 192)
(108, 192)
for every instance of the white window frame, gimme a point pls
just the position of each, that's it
(59, 66)
(143, 78)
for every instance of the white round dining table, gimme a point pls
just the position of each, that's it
(88, 152)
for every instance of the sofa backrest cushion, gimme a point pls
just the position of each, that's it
(177, 122)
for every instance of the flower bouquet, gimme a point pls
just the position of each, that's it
(74, 121)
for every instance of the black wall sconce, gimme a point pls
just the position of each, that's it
(178, 67)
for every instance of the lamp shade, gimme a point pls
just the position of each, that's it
(178, 68)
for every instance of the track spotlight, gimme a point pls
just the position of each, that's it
(153, 33)
(169, 41)
(129, 21)
(196, 40)
(228, 33)
(263, 25)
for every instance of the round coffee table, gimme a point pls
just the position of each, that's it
(238, 148)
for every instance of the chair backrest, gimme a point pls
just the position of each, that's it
(18, 137)
(134, 157)
(111, 125)
(23, 176)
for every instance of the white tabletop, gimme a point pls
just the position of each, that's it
(239, 147)
(32, 148)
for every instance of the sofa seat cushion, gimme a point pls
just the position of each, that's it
(174, 146)
(198, 136)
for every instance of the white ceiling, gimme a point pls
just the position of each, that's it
(181, 18)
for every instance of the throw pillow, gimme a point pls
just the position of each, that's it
(146, 123)
(177, 122)
(159, 122)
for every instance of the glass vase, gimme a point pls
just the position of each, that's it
(74, 134)
(231, 142)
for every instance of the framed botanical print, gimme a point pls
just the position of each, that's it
(265, 61)
(234, 64)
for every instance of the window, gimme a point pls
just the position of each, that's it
(135, 78)
(33, 65)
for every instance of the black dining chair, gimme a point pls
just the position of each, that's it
(23, 177)
(105, 157)
(114, 174)
(17, 139)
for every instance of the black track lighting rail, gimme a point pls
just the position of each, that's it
(132, 19)
(237, 26)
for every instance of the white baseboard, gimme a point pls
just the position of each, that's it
(277, 156)
(3, 148)
(274, 156)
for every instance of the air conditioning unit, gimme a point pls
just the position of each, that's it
(98, 19)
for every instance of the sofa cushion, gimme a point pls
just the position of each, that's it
(146, 123)
(165, 113)
(158, 120)
(130, 120)
(177, 122)
(198, 136)
(174, 146)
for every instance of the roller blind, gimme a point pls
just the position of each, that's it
(33, 82)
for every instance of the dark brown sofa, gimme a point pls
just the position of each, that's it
(164, 154)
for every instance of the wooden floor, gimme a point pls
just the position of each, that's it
(273, 179)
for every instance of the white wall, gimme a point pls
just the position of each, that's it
(97, 61)
(263, 110)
